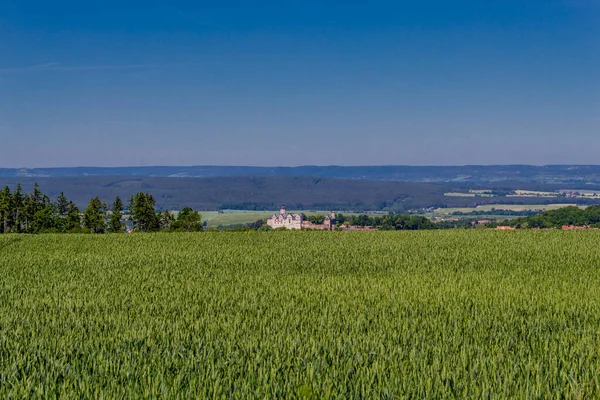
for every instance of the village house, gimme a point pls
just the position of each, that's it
(285, 220)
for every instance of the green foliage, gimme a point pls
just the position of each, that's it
(560, 217)
(94, 217)
(398, 222)
(188, 220)
(316, 219)
(425, 314)
(114, 223)
(73, 218)
(62, 204)
(142, 208)
(5, 209)
(166, 220)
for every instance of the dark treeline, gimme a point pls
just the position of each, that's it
(389, 222)
(35, 212)
(495, 212)
(576, 216)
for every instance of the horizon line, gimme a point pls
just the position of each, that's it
(302, 166)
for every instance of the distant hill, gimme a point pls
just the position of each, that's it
(473, 174)
(266, 193)
(249, 193)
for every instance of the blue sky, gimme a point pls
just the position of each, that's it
(299, 82)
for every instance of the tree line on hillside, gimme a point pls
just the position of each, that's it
(564, 216)
(388, 222)
(35, 212)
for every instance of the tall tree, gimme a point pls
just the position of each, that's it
(5, 208)
(114, 224)
(46, 219)
(94, 217)
(143, 213)
(73, 219)
(166, 220)
(62, 204)
(18, 205)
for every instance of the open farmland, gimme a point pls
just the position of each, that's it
(235, 218)
(507, 207)
(438, 314)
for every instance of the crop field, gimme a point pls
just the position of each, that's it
(508, 207)
(236, 218)
(422, 314)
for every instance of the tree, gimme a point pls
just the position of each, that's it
(45, 220)
(17, 204)
(143, 213)
(94, 217)
(5, 208)
(167, 219)
(188, 220)
(316, 219)
(62, 205)
(32, 203)
(73, 219)
(114, 224)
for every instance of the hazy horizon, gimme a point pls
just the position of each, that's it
(299, 83)
(303, 166)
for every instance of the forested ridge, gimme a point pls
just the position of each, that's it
(478, 174)
(268, 193)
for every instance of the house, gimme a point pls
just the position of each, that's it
(285, 220)
(505, 228)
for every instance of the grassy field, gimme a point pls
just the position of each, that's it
(235, 218)
(510, 207)
(438, 314)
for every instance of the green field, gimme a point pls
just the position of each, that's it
(509, 207)
(426, 314)
(236, 218)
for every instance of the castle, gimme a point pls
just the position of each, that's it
(285, 220)
(296, 221)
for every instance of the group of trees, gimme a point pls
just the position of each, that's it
(35, 212)
(589, 216)
(388, 222)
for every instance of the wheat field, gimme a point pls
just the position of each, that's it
(333, 315)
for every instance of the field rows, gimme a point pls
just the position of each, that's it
(425, 314)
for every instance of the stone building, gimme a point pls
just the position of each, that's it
(327, 225)
(285, 220)
(330, 221)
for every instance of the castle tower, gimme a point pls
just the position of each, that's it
(282, 210)
(330, 221)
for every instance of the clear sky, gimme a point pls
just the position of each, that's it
(168, 82)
